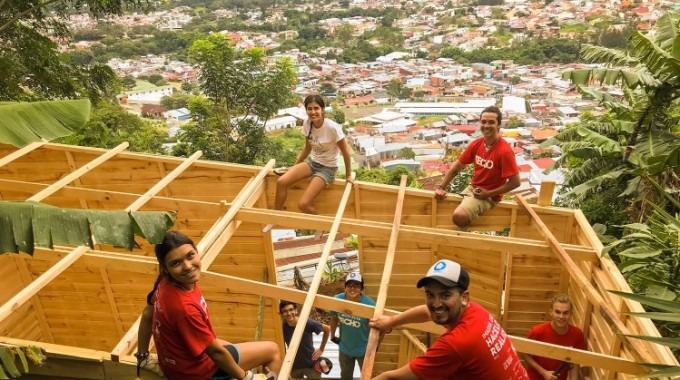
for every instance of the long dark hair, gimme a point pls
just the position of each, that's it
(171, 240)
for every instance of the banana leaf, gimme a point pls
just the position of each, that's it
(22, 123)
(24, 225)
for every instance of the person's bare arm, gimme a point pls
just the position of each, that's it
(144, 333)
(344, 149)
(440, 190)
(304, 152)
(224, 360)
(324, 339)
(333, 327)
(542, 371)
(403, 373)
(417, 314)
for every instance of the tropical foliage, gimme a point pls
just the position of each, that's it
(636, 142)
(10, 355)
(32, 66)
(242, 92)
(22, 123)
(24, 225)
(667, 315)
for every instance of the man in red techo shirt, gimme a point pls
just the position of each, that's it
(495, 173)
(557, 331)
(474, 345)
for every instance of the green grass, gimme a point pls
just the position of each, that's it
(578, 28)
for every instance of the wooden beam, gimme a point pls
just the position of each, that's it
(66, 362)
(112, 302)
(374, 334)
(101, 195)
(141, 201)
(414, 233)
(78, 173)
(301, 325)
(129, 340)
(146, 157)
(20, 153)
(77, 183)
(546, 194)
(599, 303)
(26, 279)
(26, 293)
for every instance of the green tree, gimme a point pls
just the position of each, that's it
(338, 116)
(394, 88)
(344, 34)
(175, 100)
(32, 66)
(111, 125)
(156, 79)
(128, 82)
(241, 91)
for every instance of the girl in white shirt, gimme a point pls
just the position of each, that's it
(318, 159)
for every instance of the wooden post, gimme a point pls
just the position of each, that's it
(374, 335)
(287, 364)
(546, 194)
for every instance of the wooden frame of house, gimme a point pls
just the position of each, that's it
(83, 305)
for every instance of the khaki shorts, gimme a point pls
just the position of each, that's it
(473, 206)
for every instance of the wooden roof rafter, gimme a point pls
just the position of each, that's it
(374, 335)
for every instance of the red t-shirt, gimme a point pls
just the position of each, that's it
(182, 331)
(545, 333)
(492, 167)
(476, 348)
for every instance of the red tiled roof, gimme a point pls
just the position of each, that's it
(544, 163)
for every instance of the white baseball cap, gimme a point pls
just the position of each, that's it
(354, 276)
(448, 273)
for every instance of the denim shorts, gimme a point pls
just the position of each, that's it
(326, 173)
(221, 375)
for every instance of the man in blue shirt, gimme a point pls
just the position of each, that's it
(353, 330)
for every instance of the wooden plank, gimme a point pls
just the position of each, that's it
(26, 279)
(112, 302)
(593, 296)
(546, 193)
(72, 166)
(413, 233)
(136, 205)
(161, 169)
(21, 152)
(34, 287)
(78, 173)
(294, 345)
(374, 334)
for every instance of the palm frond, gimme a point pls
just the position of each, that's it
(660, 63)
(668, 33)
(613, 57)
(22, 123)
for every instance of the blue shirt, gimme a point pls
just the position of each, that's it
(353, 330)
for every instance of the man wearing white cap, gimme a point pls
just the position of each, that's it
(474, 345)
(353, 330)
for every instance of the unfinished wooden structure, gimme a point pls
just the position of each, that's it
(83, 304)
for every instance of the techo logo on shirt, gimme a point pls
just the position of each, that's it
(349, 322)
(486, 164)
